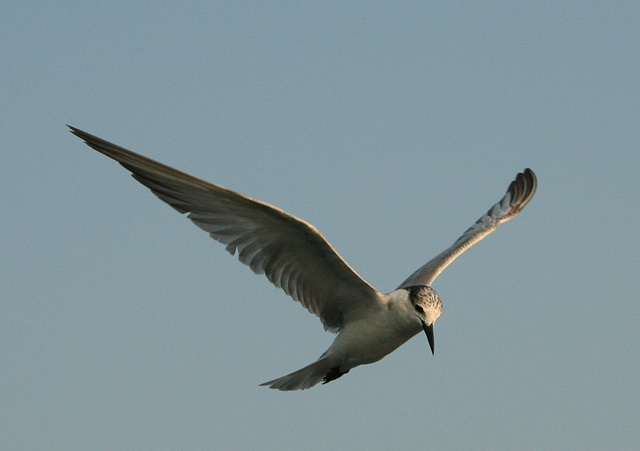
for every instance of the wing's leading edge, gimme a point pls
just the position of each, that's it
(518, 195)
(291, 253)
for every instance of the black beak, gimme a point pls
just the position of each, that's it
(429, 331)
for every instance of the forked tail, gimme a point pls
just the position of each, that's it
(307, 377)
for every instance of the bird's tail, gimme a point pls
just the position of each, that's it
(304, 378)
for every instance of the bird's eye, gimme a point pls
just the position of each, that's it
(418, 308)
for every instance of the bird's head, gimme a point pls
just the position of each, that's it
(427, 307)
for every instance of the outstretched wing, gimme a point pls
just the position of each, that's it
(291, 253)
(520, 192)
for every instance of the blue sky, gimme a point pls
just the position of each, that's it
(391, 127)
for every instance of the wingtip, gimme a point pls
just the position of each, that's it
(523, 188)
(79, 133)
(86, 137)
(532, 182)
(532, 177)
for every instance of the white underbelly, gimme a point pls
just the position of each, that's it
(363, 342)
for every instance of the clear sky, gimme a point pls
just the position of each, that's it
(391, 126)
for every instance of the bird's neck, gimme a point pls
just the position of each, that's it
(400, 312)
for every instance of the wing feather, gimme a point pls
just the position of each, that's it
(518, 195)
(291, 253)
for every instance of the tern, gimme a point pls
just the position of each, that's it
(295, 257)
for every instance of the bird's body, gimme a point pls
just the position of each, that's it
(295, 257)
(367, 339)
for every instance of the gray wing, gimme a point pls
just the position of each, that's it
(520, 192)
(291, 253)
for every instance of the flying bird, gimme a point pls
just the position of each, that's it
(294, 256)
